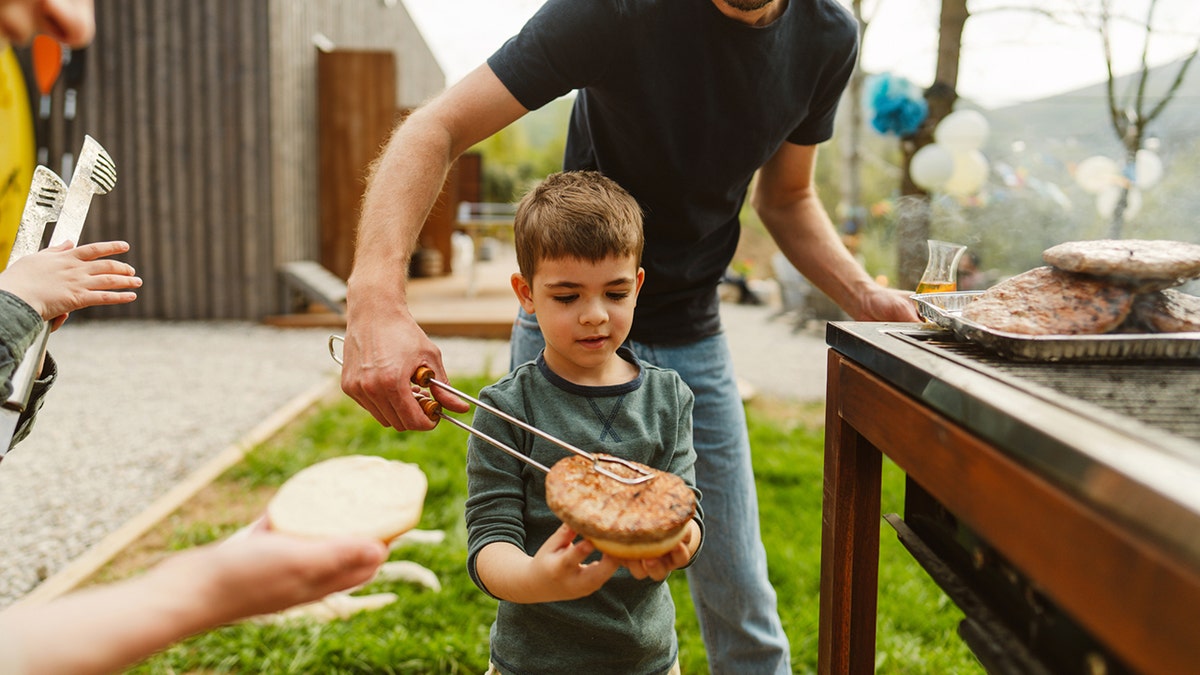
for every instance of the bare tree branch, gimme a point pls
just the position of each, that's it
(1179, 76)
(1114, 113)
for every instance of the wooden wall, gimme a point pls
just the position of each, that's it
(208, 108)
(347, 25)
(356, 111)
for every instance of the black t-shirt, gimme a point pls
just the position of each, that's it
(681, 105)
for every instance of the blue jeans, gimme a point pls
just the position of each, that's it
(734, 600)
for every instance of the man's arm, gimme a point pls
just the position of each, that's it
(785, 197)
(384, 345)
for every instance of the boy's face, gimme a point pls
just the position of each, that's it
(585, 310)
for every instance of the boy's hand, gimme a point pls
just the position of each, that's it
(559, 570)
(61, 279)
(659, 568)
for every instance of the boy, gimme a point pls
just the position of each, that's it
(579, 243)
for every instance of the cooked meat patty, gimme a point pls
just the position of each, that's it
(1168, 311)
(1144, 265)
(1049, 301)
(628, 521)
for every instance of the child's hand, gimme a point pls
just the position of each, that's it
(560, 571)
(658, 568)
(61, 279)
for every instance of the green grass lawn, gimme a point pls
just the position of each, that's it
(447, 631)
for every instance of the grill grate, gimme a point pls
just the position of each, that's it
(1161, 394)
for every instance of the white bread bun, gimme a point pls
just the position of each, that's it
(639, 551)
(352, 495)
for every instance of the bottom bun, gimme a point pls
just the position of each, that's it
(641, 550)
(352, 495)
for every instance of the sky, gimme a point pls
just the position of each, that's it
(1008, 56)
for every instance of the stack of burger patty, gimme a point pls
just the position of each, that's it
(1097, 286)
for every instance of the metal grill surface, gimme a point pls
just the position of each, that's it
(1162, 394)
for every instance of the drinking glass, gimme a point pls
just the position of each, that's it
(941, 272)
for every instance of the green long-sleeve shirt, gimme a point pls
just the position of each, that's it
(628, 626)
(19, 325)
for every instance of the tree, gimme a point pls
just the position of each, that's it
(851, 197)
(941, 96)
(1132, 114)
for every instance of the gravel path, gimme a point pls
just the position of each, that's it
(140, 405)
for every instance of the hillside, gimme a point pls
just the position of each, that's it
(1077, 122)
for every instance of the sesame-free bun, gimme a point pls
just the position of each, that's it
(352, 495)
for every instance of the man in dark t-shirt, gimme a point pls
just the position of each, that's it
(682, 102)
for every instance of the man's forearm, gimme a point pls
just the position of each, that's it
(404, 184)
(807, 237)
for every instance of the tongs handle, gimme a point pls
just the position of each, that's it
(434, 410)
(431, 407)
(423, 377)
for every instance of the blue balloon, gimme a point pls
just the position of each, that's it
(894, 104)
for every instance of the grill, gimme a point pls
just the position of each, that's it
(1161, 394)
(1057, 503)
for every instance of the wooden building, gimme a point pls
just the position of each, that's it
(210, 110)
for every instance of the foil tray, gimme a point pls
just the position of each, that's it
(945, 310)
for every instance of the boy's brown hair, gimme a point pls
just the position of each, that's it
(576, 214)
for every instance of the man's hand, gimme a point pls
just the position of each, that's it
(887, 304)
(381, 354)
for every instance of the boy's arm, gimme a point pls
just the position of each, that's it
(556, 572)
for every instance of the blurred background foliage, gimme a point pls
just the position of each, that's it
(1031, 200)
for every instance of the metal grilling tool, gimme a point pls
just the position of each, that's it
(47, 192)
(424, 378)
(95, 174)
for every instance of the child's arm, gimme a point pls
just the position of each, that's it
(556, 572)
(658, 568)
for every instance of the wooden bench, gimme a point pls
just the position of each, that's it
(309, 279)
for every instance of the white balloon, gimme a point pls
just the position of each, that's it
(931, 167)
(970, 173)
(1148, 169)
(962, 130)
(1097, 173)
(1106, 201)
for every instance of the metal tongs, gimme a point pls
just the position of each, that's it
(424, 378)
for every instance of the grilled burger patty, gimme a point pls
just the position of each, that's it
(1049, 301)
(628, 521)
(1167, 311)
(1144, 265)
